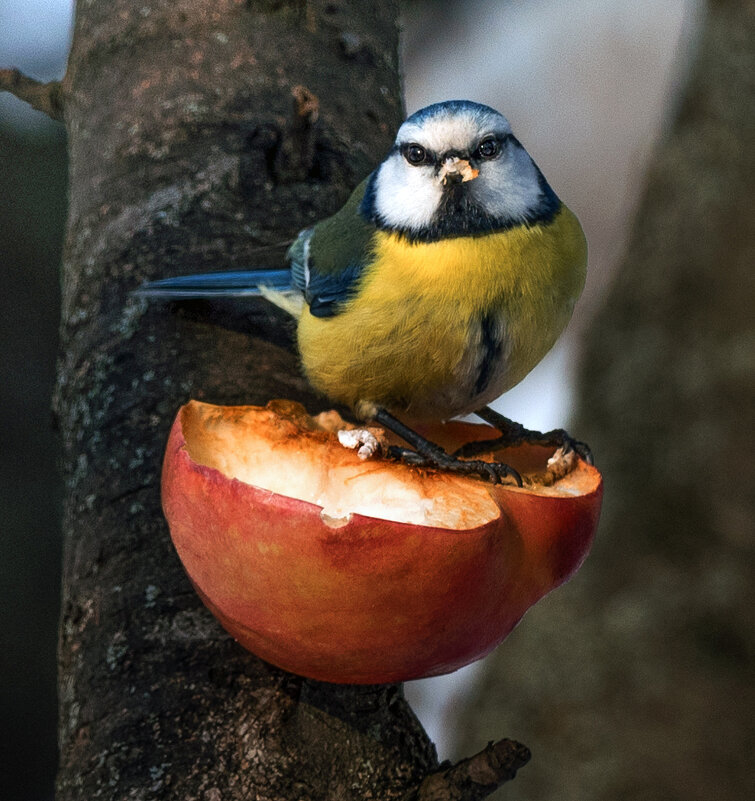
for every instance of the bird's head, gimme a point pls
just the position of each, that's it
(456, 169)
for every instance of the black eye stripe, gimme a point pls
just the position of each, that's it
(490, 147)
(417, 154)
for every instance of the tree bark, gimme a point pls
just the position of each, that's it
(202, 135)
(195, 137)
(635, 681)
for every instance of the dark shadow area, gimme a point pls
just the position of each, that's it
(32, 214)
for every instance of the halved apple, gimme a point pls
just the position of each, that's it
(363, 571)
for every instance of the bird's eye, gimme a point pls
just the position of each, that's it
(415, 154)
(487, 149)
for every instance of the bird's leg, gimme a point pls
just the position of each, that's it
(515, 434)
(429, 454)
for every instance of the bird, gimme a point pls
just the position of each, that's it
(447, 275)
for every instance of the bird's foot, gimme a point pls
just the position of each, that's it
(513, 433)
(425, 453)
(495, 472)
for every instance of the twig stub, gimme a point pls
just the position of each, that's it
(45, 97)
(476, 777)
(297, 147)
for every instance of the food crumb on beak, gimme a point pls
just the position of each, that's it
(455, 169)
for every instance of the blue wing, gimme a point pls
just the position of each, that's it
(325, 265)
(325, 291)
(328, 260)
(244, 283)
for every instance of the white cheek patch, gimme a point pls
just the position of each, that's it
(509, 187)
(406, 197)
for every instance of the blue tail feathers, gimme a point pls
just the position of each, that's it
(245, 283)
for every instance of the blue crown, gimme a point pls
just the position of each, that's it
(451, 107)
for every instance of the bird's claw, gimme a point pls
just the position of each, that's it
(513, 433)
(495, 472)
(406, 455)
(565, 441)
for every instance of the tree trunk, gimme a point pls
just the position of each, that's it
(195, 137)
(634, 682)
(202, 135)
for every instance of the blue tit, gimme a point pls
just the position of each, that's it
(445, 278)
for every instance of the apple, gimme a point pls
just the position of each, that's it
(363, 571)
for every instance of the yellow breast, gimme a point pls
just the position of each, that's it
(411, 338)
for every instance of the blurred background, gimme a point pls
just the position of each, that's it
(633, 681)
(34, 36)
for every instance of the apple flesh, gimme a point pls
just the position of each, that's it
(355, 571)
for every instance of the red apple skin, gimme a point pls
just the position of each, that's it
(371, 601)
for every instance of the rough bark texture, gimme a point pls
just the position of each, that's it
(635, 681)
(191, 146)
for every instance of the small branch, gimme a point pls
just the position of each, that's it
(476, 777)
(297, 152)
(45, 97)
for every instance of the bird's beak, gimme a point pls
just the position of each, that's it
(455, 171)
